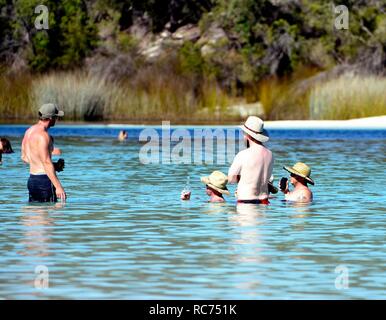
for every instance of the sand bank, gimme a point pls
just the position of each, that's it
(362, 123)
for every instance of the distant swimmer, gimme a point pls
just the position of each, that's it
(122, 135)
(300, 177)
(36, 149)
(5, 147)
(216, 186)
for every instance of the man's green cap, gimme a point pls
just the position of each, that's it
(50, 110)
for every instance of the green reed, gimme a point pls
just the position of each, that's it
(347, 97)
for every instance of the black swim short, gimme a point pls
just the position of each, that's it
(254, 201)
(41, 189)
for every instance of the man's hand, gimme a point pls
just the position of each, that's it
(61, 194)
(59, 165)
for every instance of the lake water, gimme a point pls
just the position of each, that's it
(124, 232)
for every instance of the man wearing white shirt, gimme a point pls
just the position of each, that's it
(252, 167)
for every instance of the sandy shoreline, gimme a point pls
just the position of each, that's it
(362, 123)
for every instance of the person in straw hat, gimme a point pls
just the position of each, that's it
(36, 150)
(252, 167)
(300, 177)
(216, 186)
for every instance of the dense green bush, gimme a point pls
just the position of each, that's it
(69, 39)
(263, 51)
(274, 37)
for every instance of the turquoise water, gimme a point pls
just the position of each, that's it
(124, 233)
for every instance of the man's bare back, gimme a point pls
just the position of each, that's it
(34, 139)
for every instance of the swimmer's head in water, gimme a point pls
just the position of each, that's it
(122, 135)
(6, 146)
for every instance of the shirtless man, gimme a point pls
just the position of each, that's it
(300, 177)
(252, 167)
(36, 149)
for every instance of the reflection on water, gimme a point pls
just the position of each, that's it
(301, 209)
(125, 233)
(248, 219)
(37, 221)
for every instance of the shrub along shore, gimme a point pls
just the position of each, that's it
(203, 61)
(88, 98)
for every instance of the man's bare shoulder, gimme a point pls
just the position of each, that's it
(265, 150)
(305, 194)
(241, 154)
(28, 132)
(35, 134)
(258, 150)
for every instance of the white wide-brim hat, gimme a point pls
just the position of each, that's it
(254, 127)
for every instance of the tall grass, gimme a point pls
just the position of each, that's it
(348, 97)
(148, 97)
(82, 97)
(153, 94)
(15, 102)
(281, 101)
